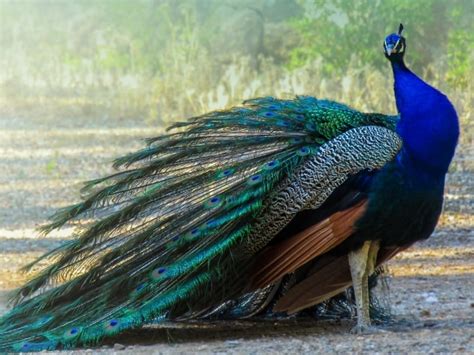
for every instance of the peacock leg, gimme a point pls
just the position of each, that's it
(358, 262)
(372, 257)
(371, 262)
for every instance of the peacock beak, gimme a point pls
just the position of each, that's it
(391, 48)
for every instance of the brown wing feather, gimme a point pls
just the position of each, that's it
(329, 276)
(326, 281)
(285, 257)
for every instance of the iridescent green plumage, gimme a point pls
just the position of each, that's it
(168, 235)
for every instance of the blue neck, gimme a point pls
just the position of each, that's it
(428, 125)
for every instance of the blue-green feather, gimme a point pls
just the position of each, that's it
(168, 227)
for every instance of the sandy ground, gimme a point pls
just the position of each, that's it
(43, 161)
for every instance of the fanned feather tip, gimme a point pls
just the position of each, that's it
(161, 237)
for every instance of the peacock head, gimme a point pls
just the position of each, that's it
(394, 45)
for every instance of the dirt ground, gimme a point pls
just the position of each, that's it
(43, 160)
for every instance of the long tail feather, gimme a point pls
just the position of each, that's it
(164, 238)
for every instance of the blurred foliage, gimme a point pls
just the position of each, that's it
(338, 30)
(164, 60)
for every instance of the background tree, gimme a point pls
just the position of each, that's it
(339, 30)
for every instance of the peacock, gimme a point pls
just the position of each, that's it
(229, 208)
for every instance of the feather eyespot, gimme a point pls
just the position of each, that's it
(269, 114)
(225, 173)
(255, 179)
(283, 123)
(271, 165)
(28, 346)
(138, 289)
(272, 107)
(111, 324)
(303, 151)
(300, 117)
(193, 233)
(215, 201)
(158, 273)
(72, 332)
(210, 224)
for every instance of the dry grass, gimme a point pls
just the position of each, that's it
(190, 87)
